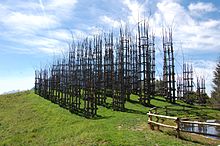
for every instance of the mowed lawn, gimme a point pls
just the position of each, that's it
(28, 119)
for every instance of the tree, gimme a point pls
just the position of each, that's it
(159, 87)
(216, 86)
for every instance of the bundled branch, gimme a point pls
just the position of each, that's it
(168, 67)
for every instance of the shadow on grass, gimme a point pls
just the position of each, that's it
(135, 111)
(107, 105)
(133, 101)
(158, 99)
(99, 117)
(80, 113)
(138, 102)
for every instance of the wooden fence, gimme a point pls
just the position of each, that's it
(177, 122)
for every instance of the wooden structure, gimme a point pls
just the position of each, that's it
(168, 67)
(107, 66)
(185, 85)
(146, 63)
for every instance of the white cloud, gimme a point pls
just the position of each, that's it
(201, 7)
(47, 44)
(111, 22)
(60, 34)
(15, 83)
(28, 22)
(79, 35)
(51, 50)
(209, 24)
(61, 9)
(36, 25)
(194, 34)
(94, 31)
(67, 4)
(136, 10)
(173, 13)
(203, 35)
(204, 69)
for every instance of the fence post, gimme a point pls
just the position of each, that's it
(149, 122)
(178, 127)
(158, 126)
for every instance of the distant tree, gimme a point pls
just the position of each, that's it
(190, 97)
(215, 94)
(195, 98)
(202, 98)
(159, 87)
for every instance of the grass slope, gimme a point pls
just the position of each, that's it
(27, 119)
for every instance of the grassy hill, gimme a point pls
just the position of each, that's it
(27, 119)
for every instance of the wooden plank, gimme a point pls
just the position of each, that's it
(162, 116)
(201, 123)
(153, 108)
(164, 125)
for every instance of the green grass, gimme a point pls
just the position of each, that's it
(184, 110)
(27, 119)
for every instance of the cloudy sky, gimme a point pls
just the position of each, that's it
(32, 32)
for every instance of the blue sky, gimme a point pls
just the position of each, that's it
(34, 31)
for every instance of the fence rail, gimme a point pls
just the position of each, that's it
(201, 123)
(178, 121)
